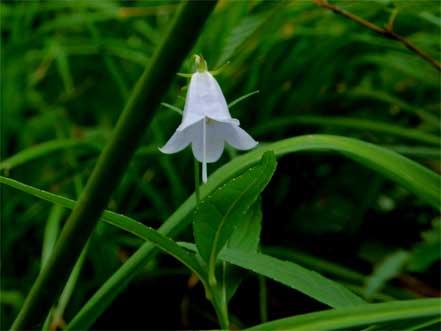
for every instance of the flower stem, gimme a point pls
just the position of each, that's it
(197, 181)
(113, 161)
(220, 306)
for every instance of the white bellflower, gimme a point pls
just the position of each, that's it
(207, 123)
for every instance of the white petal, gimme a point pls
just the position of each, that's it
(204, 98)
(238, 138)
(179, 140)
(214, 142)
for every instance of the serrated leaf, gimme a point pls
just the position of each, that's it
(245, 237)
(218, 215)
(290, 274)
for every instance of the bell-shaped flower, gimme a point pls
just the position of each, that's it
(207, 123)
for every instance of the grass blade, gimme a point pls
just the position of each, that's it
(353, 317)
(348, 123)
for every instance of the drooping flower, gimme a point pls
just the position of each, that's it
(207, 123)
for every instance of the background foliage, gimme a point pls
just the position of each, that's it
(67, 70)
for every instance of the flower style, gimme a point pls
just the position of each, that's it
(207, 123)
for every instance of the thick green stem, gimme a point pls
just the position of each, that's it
(220, 306)
(113, 161)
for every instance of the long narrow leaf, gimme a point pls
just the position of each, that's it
(353, 317)
(294, 276)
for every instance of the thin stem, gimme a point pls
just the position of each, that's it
(174, 108)
(263, 299)
(197, 181)
(204, 150)
(387, 32)
(243, 97)
(113, 161)
(220, 69)
(65, 296)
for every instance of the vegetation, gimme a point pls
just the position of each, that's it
(332, 222)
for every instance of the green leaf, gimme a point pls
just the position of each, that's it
(245, 237)
(423, 256)
(51, 232)
(290, 274)
(341, 122)
(43, 149)
(406, 324)
(353, 317)
(384, 271)
(239, 35)
(427, 252)
(310, 261)
(217, 216)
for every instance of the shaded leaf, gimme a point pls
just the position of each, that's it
(218, 215)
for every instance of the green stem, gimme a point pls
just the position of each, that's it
(113, 161)
(70, 286)
(220, 306)
(197, 181)
(263, 299)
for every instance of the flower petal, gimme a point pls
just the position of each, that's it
(204, 99)
(214, 142)
(179, 140)
(238, 138)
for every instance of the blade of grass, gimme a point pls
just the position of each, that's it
(44, 149)
(421, 152)
(56, 319)
(352, 317)
(51, 233)
(58, 145)
(349, 123)
(112, 163)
